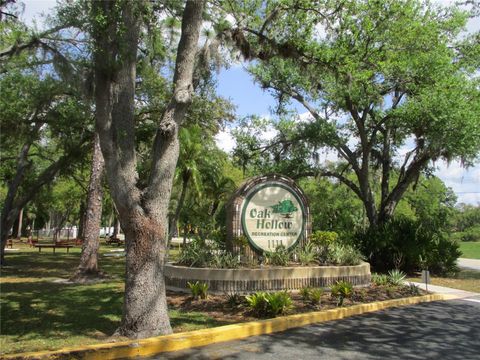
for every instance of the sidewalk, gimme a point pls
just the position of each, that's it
(454, 293)
(471, 264)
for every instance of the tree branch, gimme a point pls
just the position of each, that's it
(344, 180)
(165, 147)
(32, 43)
(343, 149)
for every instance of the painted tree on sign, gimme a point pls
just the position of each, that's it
(284, 208)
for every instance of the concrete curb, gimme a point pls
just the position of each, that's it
(185, 340)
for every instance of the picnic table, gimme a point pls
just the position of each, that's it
(53, 246)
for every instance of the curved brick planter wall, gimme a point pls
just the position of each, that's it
(265, 279)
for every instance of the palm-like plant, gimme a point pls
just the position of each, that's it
(187, 172)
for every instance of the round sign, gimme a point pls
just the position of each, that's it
(273, 215)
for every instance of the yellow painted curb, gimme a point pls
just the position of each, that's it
(186, 340)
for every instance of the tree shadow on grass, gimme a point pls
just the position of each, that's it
(44, 309)
(59, 265)
(34, 308)
(32, 311)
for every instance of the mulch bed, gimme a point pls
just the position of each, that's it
(221, 309)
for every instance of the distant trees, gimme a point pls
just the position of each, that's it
(467, 222)
(59, 56)
(43, 134)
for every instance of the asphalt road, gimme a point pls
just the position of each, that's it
(437, 330)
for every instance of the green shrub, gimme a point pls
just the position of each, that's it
(441, 255)
(269, 304)
(323, 238)
(198, 290)
(279, 257)
(198, 253)
(396, 277)
(311, 295)
(342, 290)
(323, 241)
(410, 240)
(344, 255)
(305, 293)
(379, 279)
(315, 296)
(240, 241)
(234, 299)
(257, 302)
(307, 255)
(278, 303)
(471, 234)
(413, 289)
(195, 254)
(224, 260)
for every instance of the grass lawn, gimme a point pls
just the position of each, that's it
(470, 250)
(468, 280)
(38, 313)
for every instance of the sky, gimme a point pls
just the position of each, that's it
(237, 85)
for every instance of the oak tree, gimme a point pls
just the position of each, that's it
(116, 28)
(389, 87)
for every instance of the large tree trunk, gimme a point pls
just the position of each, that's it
(143, 214)
(145, 303)
(88, 267)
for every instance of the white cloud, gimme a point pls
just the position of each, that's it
(471, 198)
(464, 182)
(473, 24)
(269, 134)
(225, 141)
(327, 156)
(451, 173)
(34, 10)
(305, 117)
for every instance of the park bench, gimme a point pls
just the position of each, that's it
(32, 242)
(111, 240)
(10, 243)
(68, 242)
(53, 246)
